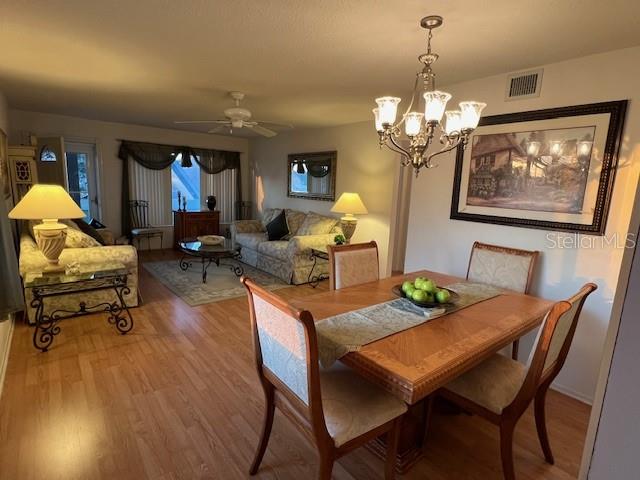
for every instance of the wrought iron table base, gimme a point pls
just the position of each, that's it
(236, 268)
(314, 280)
(47, 324)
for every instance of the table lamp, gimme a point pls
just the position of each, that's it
(48, 203)
(350, 204)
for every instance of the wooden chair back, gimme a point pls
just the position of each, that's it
(286, 353)
(553, 344)
(139, 213)
(502, 267)
(353, 264)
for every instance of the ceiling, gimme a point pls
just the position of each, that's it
(310, 63)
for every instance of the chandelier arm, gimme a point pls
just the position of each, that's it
(445, 149)
(399, 147)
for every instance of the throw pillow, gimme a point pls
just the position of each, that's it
(269, 214)
(78, 239)
(89, 230)
(315, 224)
(277, 228)
(295, 219)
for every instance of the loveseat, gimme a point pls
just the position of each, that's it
(88, 255)
(289, 258)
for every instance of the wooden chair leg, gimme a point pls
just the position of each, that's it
(541, 424)
(506, 449)
(393, 438)
(326, 467)
(514, 350)
(266, 428)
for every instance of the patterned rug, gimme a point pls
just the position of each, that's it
(222, 283)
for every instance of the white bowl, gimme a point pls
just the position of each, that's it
(211, 240)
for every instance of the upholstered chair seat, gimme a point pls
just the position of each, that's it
(354, 406)
(493, 384)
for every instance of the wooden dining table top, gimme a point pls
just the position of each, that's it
(415, 362)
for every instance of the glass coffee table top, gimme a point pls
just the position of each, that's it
(198, 248)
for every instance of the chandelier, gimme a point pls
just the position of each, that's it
(421, 124)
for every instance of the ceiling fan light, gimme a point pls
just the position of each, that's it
(471, 112)
(236, 123)
(387, 109)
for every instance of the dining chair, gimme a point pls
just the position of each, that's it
(353, 264)
(140, 227)
(335, 408)
(502, 267)
(501, 389)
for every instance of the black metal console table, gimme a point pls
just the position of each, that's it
(317, 254)
(42, 286)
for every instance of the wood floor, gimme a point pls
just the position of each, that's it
(178, 398)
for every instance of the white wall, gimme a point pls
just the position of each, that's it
(438, 243)
(106, 135)
(6, 327)
(361, 167)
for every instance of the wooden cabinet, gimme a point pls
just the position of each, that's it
(193, 224)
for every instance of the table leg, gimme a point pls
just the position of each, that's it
(123, 323)
(46, 325)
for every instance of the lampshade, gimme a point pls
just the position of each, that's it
(434, 104)
(46, 201)
(454, 121)
(376, 115)
(471, 112)
(349, 203)
(387, 109)
(412, 123)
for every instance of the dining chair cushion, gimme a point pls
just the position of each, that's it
(353, 267)
(493, 384)
(354, 406)
(499, 269)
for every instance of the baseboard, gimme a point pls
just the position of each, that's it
(572, 393)
(4, 353)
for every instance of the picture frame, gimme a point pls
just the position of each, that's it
(312, 175)
(551, 169)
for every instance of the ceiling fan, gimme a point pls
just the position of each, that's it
(238, 117)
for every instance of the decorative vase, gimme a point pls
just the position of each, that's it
(211, 202)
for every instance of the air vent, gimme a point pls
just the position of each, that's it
(524, 85)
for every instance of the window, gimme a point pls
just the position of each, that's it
(81, 176)
(187, 182)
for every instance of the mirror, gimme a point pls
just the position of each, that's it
(312, 175)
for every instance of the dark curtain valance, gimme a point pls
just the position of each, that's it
(157, 156)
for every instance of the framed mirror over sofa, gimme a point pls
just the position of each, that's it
(312, 175)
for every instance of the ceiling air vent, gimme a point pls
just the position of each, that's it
(524, 85)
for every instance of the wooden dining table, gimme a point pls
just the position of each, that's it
(416, 362)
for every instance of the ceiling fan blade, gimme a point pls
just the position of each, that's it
(274, 124)
(265, 132)
(199, 121)
(219, 128)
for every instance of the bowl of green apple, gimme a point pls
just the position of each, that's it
(424, 292)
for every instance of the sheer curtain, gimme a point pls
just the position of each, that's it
(224, 186)
(155, 187)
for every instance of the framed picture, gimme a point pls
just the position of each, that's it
(5, 181)
(549, 169)
(312, 175)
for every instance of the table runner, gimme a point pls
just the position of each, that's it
(349, 331)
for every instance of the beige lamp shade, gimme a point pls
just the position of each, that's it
(46, 202)
(349, 203)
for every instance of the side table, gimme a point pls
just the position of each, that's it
(102, 277)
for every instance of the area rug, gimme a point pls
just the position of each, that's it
(222, 283)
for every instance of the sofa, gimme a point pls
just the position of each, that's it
(88, 254)
(289, 258)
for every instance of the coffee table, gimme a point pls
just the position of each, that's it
(209, 254)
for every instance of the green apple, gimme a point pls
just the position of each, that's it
(429, 286)
(418, 282)
(409, 291)
(407, 285)
(419, 296)
(443, 296)
(430, 297)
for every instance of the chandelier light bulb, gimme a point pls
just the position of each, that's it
(454, 121)
(435, 103)
(533, 148)
(413, 123)
(471, 112)
(387, 109)
(376, 116)
(584, 148)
